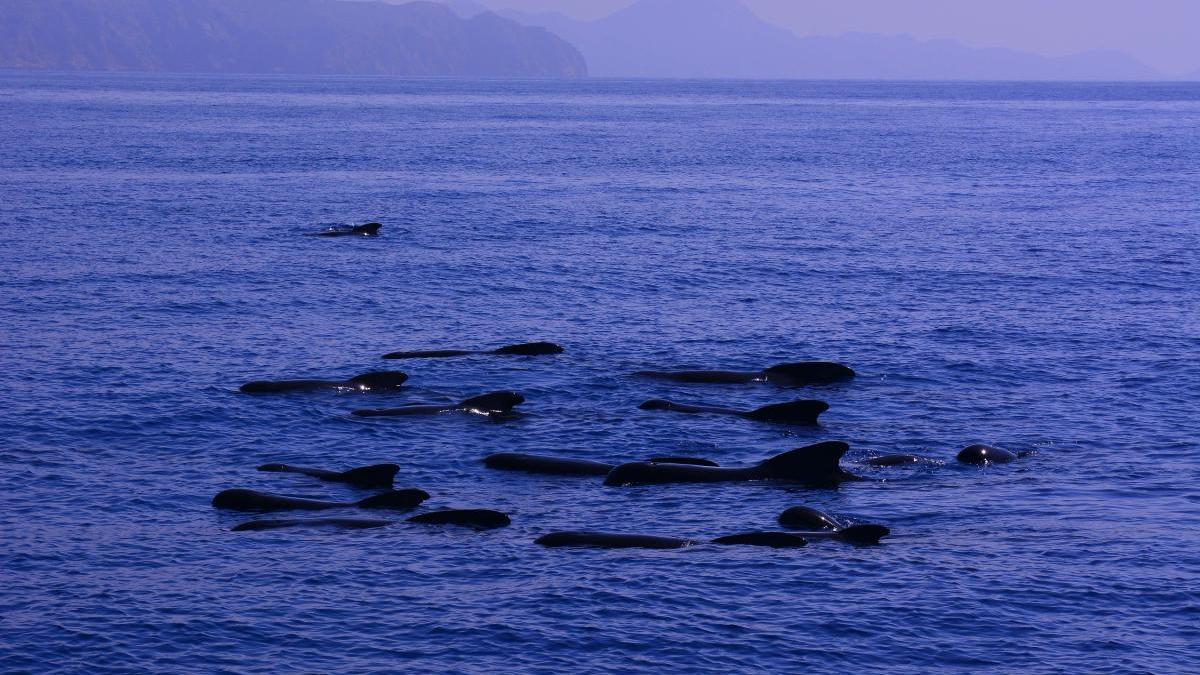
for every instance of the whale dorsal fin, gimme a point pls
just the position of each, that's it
(818, 463)
(376, 475)
(496, 401)
(530, 349)
(792, 412)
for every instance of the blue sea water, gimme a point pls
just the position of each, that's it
(1006, 263)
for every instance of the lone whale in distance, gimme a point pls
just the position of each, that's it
(527, 349)
(563, 466)
(385, 380)
(253, 500)
(609, 540)
(814, 465)
(987, 454)
(367, 230)
(783, 375)
(793, 412)
(341, 523)
(497, 405)
(480, 519)
(374, 476)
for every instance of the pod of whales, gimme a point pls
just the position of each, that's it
(367, 230)
(527, 349)
(374, 476)
(253, 500)
(783, 375)
(987, 454)
(497, 404)
(793, 412)
(816, 465)
(386, 380)
(563, 466)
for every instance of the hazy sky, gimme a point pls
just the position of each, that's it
(1162, 33)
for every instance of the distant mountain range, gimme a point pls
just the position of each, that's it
(722, 38)
(276, 36)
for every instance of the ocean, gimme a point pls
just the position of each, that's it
(1013, 264)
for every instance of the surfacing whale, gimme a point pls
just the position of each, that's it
(480, 519)
(981, 453)
(367, 230)
(376, 475)
(814, 465)
(526, 349)
(564, 466)
(818, 525)
(609, 540)
(800, 411)
(253, 500)
(340, 523)
(385, 380)
(784, 375)
(497, 405)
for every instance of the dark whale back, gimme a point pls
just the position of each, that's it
(816, 465)
(496, 401)
(771, 539)
(368, 230)
(377, 475)
(863, 535)
(555, 466)
(609, 540)
(480, 519)
(530, 349)
(792, 412)
(341, 523)
(805, 518)
(383, 379)
(985, 454)
(807, 373)
(394, 499)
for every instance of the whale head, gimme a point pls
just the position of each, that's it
(985, 454)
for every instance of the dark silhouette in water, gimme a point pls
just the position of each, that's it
(818, 525)
(252, 500)
(563, 466)
(480, 519)
(783, 375)
(368, 230)
(793, 412)
(376, 475)
(384, 380)
(527, 349)
(340, 523)
(771, 539)
(815, 465)
(987, 454)
(497, 405)
(608, 540)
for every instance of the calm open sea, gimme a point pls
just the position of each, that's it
(1005, 263)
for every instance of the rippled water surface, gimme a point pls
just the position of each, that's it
(1013, 264)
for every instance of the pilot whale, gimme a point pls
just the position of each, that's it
(610, 540)
(385, 380)
(340, 523)
(253, 500)
(803, 412)
(480, 519)
(497, 405)
(818, 525)
(981, 453)
(367, 230)
(527, 349)
(564, 466)
(815, 465)
(376, 475)
(783, 375)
